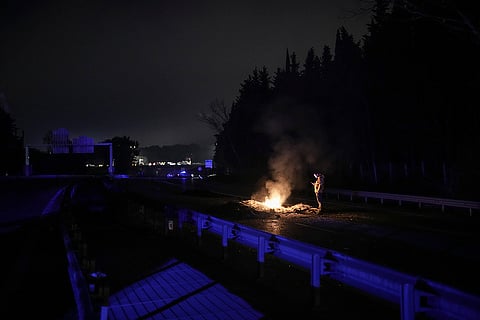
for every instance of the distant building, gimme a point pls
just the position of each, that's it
(83, 144)
(60, 141)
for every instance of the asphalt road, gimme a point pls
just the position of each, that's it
(439, 246)
(427, 243)
(130, 241)
(22, 199)
(34, 273)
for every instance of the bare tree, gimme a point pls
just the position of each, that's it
(217, 116)
(446, 13)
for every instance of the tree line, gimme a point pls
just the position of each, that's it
(11, 142)
(394, 111)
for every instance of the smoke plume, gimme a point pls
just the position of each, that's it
(295, 151)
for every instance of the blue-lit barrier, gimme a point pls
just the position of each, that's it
(77, 280)
(453, 203)
(412, 294)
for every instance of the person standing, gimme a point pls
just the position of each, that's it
(318, 187)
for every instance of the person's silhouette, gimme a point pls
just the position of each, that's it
(318, 187)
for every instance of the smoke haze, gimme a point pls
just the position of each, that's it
(295, 151)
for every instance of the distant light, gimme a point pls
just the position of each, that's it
(209, 164)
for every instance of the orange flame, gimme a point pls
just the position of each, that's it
(272, 203)
(277, 193)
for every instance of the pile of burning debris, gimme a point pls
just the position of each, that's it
(264, 207)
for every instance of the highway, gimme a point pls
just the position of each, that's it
(34, 282)
(423, 242)
(427, 243)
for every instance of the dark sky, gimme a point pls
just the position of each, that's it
(145, 69)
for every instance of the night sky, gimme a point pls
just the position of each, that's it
(145, 69)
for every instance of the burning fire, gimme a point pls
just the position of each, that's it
(277, 194)
(285, 171)
(273, 201)
(299, 208)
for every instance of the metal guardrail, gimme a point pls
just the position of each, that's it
(470, 205)
(77, 280)
(413, 295)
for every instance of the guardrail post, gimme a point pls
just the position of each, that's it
(225, 241)
(165, 226)
(199, 230)
(407, 302)
(104, 313)
(180, 215)
(166, 214)
(315, 274)
(261, 257)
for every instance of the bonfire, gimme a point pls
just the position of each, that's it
(299, 208)
(274, 201)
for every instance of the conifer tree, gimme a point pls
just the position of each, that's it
(326, 60)
(11, 161)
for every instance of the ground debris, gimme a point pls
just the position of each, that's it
(299, 208)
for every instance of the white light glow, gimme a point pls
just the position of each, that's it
(273, 202)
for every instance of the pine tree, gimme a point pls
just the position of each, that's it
(12, 145)
(326, 60)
